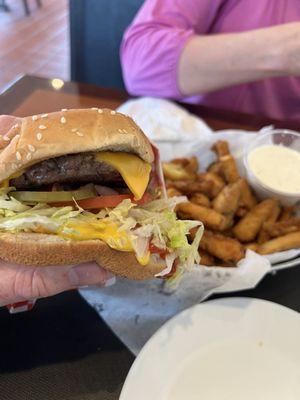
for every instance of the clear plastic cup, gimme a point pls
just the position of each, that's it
(283, 137)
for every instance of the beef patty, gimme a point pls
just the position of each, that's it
(73, 168)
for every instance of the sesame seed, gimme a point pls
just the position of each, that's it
(100, 111)
(113, 112)
(18, 155)
(6, 138)
(39, 136)
(15, 126)
(124, 131)
(79, 133)
(120, 130)
(44, 115)
(28, 156)
(63, 120)
(34, 117)
(64, 109)
(17, 136)
(31, 148)
(74, 130)
(94, 108)
(42, 127)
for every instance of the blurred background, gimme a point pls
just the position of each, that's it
(34, 39)
(63, 39)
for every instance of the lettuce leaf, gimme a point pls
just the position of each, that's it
(154, 223)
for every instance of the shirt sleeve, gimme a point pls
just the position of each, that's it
(153, 43)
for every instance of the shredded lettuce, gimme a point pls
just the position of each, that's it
(154, 223)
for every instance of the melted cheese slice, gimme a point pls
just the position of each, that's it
(134, 171)
(106, 231)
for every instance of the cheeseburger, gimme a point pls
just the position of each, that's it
(86, 185)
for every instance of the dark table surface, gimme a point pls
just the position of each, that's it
(62, 350)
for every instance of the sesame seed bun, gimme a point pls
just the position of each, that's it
(40, 137)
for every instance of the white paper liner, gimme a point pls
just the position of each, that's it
(135, 310)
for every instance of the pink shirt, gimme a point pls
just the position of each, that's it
(153, 43)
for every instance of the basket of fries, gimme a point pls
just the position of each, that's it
(234, 219)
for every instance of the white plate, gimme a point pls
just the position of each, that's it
(226, 349)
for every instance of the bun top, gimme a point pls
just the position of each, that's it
(39, 137)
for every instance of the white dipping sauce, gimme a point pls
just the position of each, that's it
(277, 167)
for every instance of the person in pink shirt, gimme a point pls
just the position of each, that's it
(242, 55)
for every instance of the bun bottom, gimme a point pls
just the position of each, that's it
(43, 249)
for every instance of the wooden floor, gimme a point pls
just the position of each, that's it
(37, 44)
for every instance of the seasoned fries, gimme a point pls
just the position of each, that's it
(175, 172)
(215, 168)
(227, 201)
(190, 188)
(248, 227)
(172, 192)
(217, 183)
(200, 199)
(206, 258)
(286, 242)
(276, 229)
(210, 218)
(264, 235)
(233, 218)
(222, 247)
(228, 165)
(248, 201)
(191, 165)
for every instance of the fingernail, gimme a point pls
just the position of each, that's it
(111, 281)
(87, 274)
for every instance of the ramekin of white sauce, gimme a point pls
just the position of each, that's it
(272, 163)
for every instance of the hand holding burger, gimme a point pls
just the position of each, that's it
(85, 186)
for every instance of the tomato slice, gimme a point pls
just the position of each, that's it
(157, 250)
(103, 201)
(173, 270)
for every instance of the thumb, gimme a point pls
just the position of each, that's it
(18, 282)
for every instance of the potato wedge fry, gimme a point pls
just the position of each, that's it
(287, 213)
(227, 201)
(248, 199)
(217, 183)
(282, 228)
(225, 248)
(264, 235)
(281, 243)
(191, 165)
(190, 188)
(241, 212)
(216, 168)
(251, 246)
(210, 218)
(228, 163)
(221, 148)
(172, 192)
(175, 172)
(200, 199)
(248, 227)
(206, 258)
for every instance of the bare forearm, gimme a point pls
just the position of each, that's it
(213, 62)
